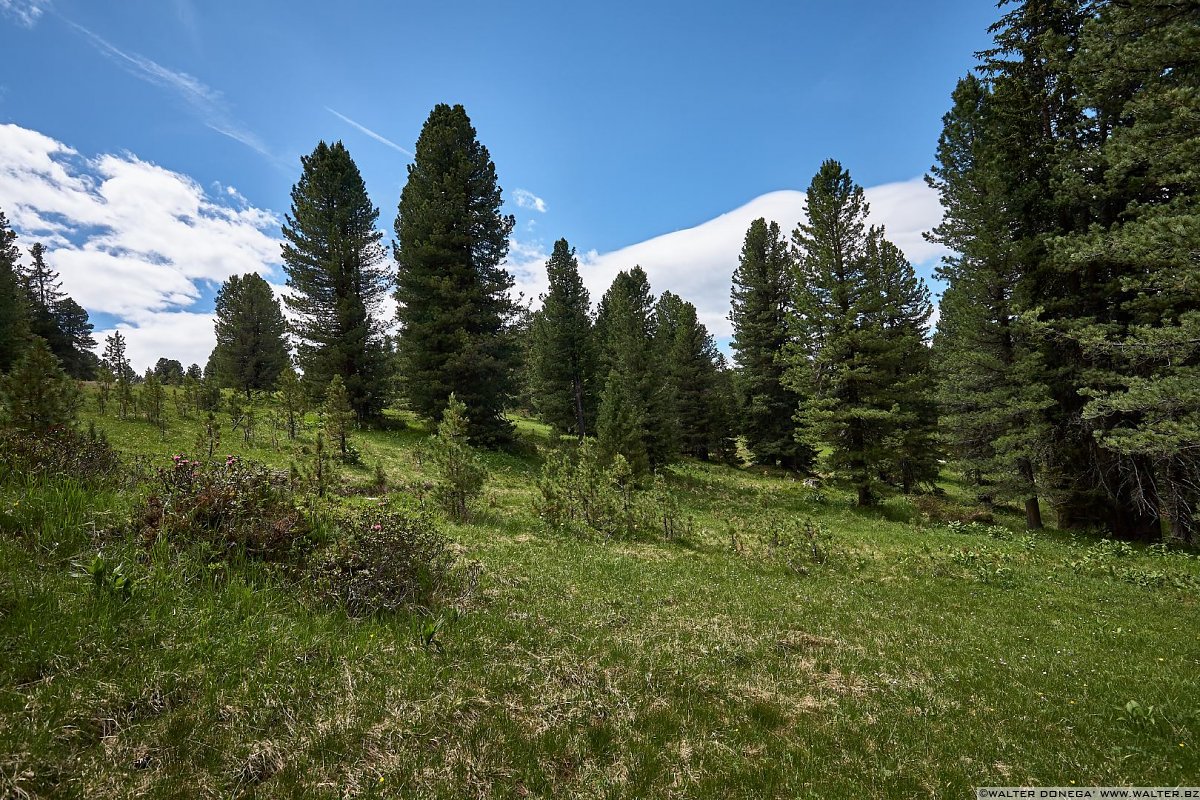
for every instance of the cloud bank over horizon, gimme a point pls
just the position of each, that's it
(146, 246)
(697, 263)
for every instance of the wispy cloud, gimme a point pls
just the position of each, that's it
(364, 129)
(527, 199)
(25, 12)
(207, 103)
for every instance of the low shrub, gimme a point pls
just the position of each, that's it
(582, 492)
(578, 492)
(228, 507)
(86, 458)
(381, 561)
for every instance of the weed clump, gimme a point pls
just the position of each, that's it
(225, 507)
(382, 561)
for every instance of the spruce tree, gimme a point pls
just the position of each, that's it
(14, 314)
(337, 415)
(633, 367)
(691, 370)
(763, 286)
(989, 376)
(562, 359)
(37, 394)
(251, 349)
(452, 291)
(291, 398)
(116, 363)
(844, 358)
(333, 261)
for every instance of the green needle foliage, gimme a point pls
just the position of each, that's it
(334, 264)
(14, 313)
(337, 415)
(251, 349)
(859, 316)
(563, 358)
(635, 418)
(702, 404)
(37, 394)
(763, 288)
(459, 471)
(454, 306)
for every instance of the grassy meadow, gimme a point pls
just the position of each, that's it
(896, 654)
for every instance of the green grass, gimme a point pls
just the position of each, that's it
(916, 661)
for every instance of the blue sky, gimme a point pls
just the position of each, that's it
(618, 122)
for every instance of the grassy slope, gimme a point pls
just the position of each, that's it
(918, 662)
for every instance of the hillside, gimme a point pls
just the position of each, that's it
(904, 656)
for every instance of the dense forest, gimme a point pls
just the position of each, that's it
(1062, 371)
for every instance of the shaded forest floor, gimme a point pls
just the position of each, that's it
(913, 657)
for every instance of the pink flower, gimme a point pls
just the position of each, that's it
(376, 527)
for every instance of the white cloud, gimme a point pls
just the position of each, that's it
(183, 335)
(527, 199)
(697, 263)
(364, 129)
(130, 238)
(25, 12)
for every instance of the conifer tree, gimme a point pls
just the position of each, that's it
(452, 291)
(562, 367)
(116, 362)
(691, 371)
(459, 471)
(630, 362)
(763, 286)
(843, 356)
(1140, 80)
(77, 355)
(37, 394)
(903, 354)
(337, 415)
(291, 398)
(14, 315)
(153, 400)
(169, 371)
(333, 260)
(251, 349)
(989, 376)
(620, 429)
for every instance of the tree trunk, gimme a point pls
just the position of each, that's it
(578, 386)
(1033, 508)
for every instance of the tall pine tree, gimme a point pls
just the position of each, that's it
(453, 292)
(990, 378)
(690, 359)
(635, 417)
(1139, 80)
(251, 349)
(763, 286)
(562, 368)
(858, 311)
(14, 315)
(333, 261)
